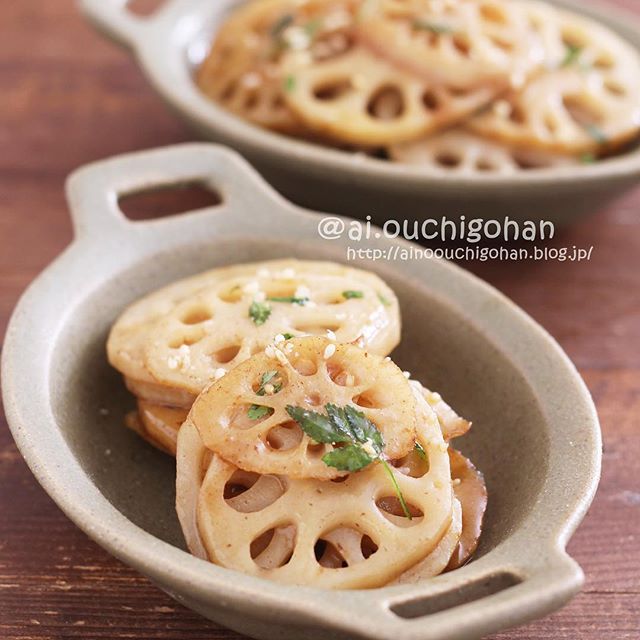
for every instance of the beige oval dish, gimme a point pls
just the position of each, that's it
(536, 436)
(170, 44)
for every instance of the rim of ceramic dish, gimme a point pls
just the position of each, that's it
(158, 42)
(106, 243)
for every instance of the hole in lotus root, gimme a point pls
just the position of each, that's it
(517, 115)
(231, 294)
(430, 100)
(279, 289)
(372, 399)
(387, 103)
(239, 416)
(284, 437)
(332, 90)
(448, 160)
(277, 381)
(274, 547)
(462, 45)
(528, 162)
(250, 492)
(331, 45)
(196, 316)
(581, 111)
(317, 450)
(317, 329)
(501, 43)
(367, 547)
(485, 165)
(229, 91)
(391, 509)
(304, 366)
(341, 376)
(226, 354)
(328, 556)
(186, 339)
(415, 464)
(313, 399)
(492, 13)
(614, 88)
(550, 123)
(603, 63)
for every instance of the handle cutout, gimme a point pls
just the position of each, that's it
(470, 592)
(144, 8)
(170, 200)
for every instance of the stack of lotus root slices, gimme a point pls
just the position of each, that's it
(466, 86)
(304, 454)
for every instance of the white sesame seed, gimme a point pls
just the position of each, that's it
(302, 292)
(270, 351)
(269, 389)
(172, 362)
(329, 350)
(281, 357)
(387, 359)
(331, 335)
(456, 481)
(278, 339)
(219, 373)
(406, 374)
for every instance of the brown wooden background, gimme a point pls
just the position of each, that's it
(67, 98)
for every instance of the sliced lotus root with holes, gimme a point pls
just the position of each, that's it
(340, 535)
(436, 562)
(308, 373)
(462, 152)
(590, 103)
(470, 489)
(242, 71)
(213, 331)
(212, 309)
(158, 424)
(465, 44)
(361, 99)
(451, 424)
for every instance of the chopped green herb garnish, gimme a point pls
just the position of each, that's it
(258, 411)
(587, 158)
(363, 442)
(289, 299)
(385, 301)
(281, 24)
(572, 55)
(352, 294)
(289, 83)
(419, 449)
(596, 133)
(259, 312)
(312, 27)
(269, 377)
(433, 27)
(288, 336)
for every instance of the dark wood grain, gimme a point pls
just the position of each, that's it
(69, 98)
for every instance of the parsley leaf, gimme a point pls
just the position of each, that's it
(289, 83)
(288, 336)
(259, 312)
(572, 55)
(268, 377)
(352, 294)
(433, 27)
(258, 411)
(597, 133)
(384, 300)
(363, 442)
(419, 449)
(290, 299)
(350, 458)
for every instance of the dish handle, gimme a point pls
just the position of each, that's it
(488, 600)
(94, 191)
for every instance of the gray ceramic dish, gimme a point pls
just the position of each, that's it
(536, 435)
(170, 43)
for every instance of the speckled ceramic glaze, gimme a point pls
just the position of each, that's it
(535, 436)
(168, 44)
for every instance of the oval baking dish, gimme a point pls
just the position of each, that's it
(169, 44)
(536, 434)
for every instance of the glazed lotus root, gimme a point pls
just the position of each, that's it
(463, 152)
(307, 531)
(589, 103)
(360, 98)
(247, 423)
(242, 71)
(171, 344)
(464, 44)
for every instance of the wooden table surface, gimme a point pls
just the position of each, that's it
(67, 98)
